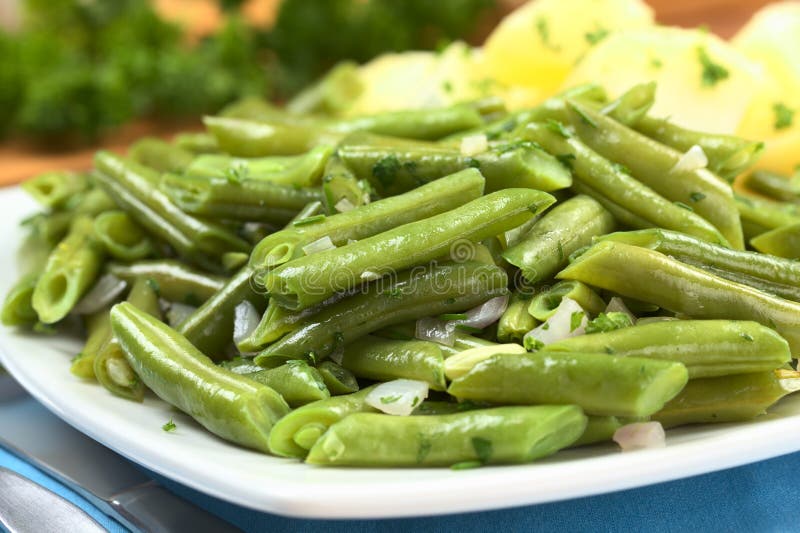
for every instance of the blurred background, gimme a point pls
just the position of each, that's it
(76, 74)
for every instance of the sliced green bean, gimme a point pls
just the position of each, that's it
(682, 288)
(296, 381)
(708, 348)
(18, 305)
(247, 138)
(774, 185)
(300, 283)
(486, 436)
(98, 333)
(599, 429)
(516, 320)
(54, 189)
(384, 360)
(122, 237)
(780, 242)
(546, 248)
(197, 143)
(599, 383)
(160, 155)
(544, 304)
(620, 214)
(338, 184)
(230, 406)
(338, 379)
(174, 280)
(437, 289)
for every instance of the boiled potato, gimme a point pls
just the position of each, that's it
(538, 44)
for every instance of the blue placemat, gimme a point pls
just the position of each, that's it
(761, 497)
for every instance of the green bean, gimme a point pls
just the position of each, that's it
(708, 348)
(598, 429)
(728, 156)
(426, 201)
(246, 138)
(760, 216)
(339, 183)
(780, 242)
(276, 322)
(614, 183)
(544, 304)
(251, 108)
(516, 320)
(233, 261)
(621, 215)
(399, 168)
(546, 248)
(122, 238)
(50, 227)
(338, 379)
(631, 106)
(726, 399)
(463, 362)
(54, 189)
(98, 333)
(93, 202)
(109, 366)
(770, 274)
(773, 185)
(160, 155)
(654, 165)
(600, 384)
(256, 200)
(175, 281)
(230, 406)
(681, 288)
(71, 269)
(297, 171)
(300, 283)
(487, 436)
(197, 143)
(385, 360)
(330, 95)
(296, 381)
(444, 288)
(18, 306)
(295, 433)
(133, 188)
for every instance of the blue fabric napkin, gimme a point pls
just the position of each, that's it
(760, 497)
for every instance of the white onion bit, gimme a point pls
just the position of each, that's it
(320, 245)
(640, 435)
(245, 321)
(485, 314)
(178, 312)
(444, 331)
(474, 145)
(399, 397)
(436, 330)
(694, 159)
(344, 205)
(559, 325)
(104, 291)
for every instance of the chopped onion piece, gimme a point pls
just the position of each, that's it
(474, 145)
(178, 312)
(344, 205)
(640, 435)
(694, 159)
(436, 330)
(485, 314)
(104, 291)
(616, 305)
(789, 380)
(399, 397)
(569, 320)
(245, 321)
(337, 355)
(320, 245)
(459, 364)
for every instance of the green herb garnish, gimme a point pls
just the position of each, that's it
(557, 127)
(784, 116)
(308, 220)
(713, 73)
(390, 399)
(169, 426)
(684, 206)
(697, 196)
(575, 320)
(594, 37)
(606, 322)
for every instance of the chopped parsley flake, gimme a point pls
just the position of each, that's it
(713, 73)
(557, 127)
(390, 399)
(483, 449)
(747, 337)
(575, 320)
(237, 173)
(608, 322)
(447, 86)
(169, 426)
(697, 196)
(586, 119)
(656, 63)
(594, 37)
(154, 286)
(566, 160)
(308, 220)
(684, 206)
(784, 116)
(533, 344)
(385, 170)
(543, 29)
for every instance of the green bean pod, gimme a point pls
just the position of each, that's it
(631, 106)
(339, 183)
(249, 200)
(727, 399)
(385, 360)
(55, 189)
(708, 348)
(654, 165)
(197, 143)
(760, 216)
(681, 288)
(98, 333)
(133, 188)
(276, 322)
(780, 242)
(599, 383)
(614, 183)
(300, 283)
(516, 320)
(436, 289)
(599, 429)
(50, 227)
(424, 124)
(160, 155)
(397, 169)
(296, 381)
(620, 214)
(773, 185)
(246, 138)
(728, 156)
(94, 202)
(546, 248)
(18, 305)
(174, 281)
(500, 435)
(544, 304)
(71, 269)
(122, 238)
(330, 95)
(296, 433)
(232, 407)
(771, 274)
(338, 379)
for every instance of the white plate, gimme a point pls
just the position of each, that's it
(196, 458)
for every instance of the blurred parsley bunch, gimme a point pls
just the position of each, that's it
(80, 67)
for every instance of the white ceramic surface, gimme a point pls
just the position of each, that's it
(196, 458)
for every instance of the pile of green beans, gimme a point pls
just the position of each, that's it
(274, 276)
